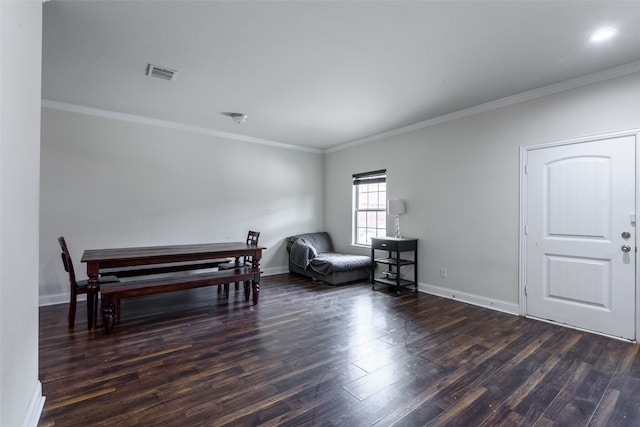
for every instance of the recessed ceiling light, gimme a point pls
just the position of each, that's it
(603, 34)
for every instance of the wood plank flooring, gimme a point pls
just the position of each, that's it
(314, 355)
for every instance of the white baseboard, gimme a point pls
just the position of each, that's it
(473, 299)
(272, 271)
(57, 299)
(45, 300)
(34, 411)
(503, 306)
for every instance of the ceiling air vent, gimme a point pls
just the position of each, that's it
(161, 72)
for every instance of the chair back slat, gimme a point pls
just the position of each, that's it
(66, 261)
(252, 239)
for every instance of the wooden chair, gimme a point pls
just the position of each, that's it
(252, 239)
(76, 286)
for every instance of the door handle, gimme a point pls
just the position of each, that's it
(626, 248)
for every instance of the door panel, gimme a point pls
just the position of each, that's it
(580, 199)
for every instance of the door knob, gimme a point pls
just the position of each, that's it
(626, 248)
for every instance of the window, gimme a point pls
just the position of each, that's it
(369, 206)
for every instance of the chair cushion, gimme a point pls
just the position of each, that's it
(101, 279)
(229, 265)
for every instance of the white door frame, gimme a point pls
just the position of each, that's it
(524, 150)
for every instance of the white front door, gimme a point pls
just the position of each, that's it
(580, 235)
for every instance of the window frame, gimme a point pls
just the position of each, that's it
(379, 226)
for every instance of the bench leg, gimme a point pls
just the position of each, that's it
(108, 318)
(109, 313)
(255, 284)
(223, 287)
(247, 289)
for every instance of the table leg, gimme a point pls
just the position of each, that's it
(255, 282)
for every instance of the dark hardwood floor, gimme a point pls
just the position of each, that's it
(313, 355)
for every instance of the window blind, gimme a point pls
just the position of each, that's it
(370, 177)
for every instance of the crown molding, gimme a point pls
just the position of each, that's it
(586, 80)
(96, 112)
(611, 73)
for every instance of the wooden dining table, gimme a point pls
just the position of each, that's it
(164, 258)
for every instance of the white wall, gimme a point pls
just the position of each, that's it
(21, 34)
(460, 180)
(112, 183)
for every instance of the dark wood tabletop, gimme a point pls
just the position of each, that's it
(143, 255)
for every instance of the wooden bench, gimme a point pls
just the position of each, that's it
(112, 293)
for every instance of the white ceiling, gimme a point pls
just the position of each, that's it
(321, 74)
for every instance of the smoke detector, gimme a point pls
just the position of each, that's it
(161, 72)
(239, 118)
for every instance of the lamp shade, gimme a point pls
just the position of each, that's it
(395, 207)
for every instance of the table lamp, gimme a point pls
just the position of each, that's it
(396, 207)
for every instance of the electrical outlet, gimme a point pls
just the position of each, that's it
(443, 273)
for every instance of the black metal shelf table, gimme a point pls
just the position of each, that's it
(395, 246)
